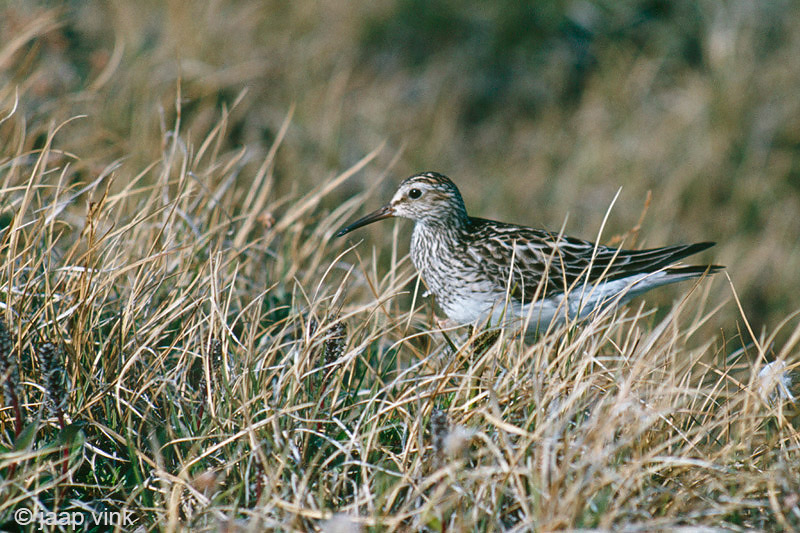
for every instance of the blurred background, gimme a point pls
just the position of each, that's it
(539, 111)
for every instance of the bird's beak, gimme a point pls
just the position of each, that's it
(384, 212)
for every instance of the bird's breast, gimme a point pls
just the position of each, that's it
(460, 288)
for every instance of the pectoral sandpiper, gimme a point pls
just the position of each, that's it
(482, 269)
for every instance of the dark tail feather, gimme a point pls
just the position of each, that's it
(693, 271)
(693, 249)
(669, 254)
(656, 259)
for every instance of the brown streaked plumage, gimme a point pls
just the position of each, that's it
(479, 268)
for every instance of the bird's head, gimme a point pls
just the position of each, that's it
(428, 197)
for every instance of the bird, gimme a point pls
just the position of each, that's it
(483, 271)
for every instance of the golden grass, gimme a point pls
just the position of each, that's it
(229, 365)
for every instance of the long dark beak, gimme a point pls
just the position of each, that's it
(384, 212)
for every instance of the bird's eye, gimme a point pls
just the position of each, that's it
(414, 194)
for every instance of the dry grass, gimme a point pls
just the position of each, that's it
(228, 365)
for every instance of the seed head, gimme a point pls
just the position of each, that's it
(9, 373)
(439, 431)
(53, 376)
(335, 342)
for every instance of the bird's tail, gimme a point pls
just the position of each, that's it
(691, 271)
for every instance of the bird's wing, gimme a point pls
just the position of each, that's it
(546, 263)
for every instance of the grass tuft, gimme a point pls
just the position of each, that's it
(185, 341)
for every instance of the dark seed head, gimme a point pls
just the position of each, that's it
(439, 430)
(335, 342)
(9, 373)
(51, 366)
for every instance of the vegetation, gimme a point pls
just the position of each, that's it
(184, 341)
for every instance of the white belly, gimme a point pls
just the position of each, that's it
(539, 315)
